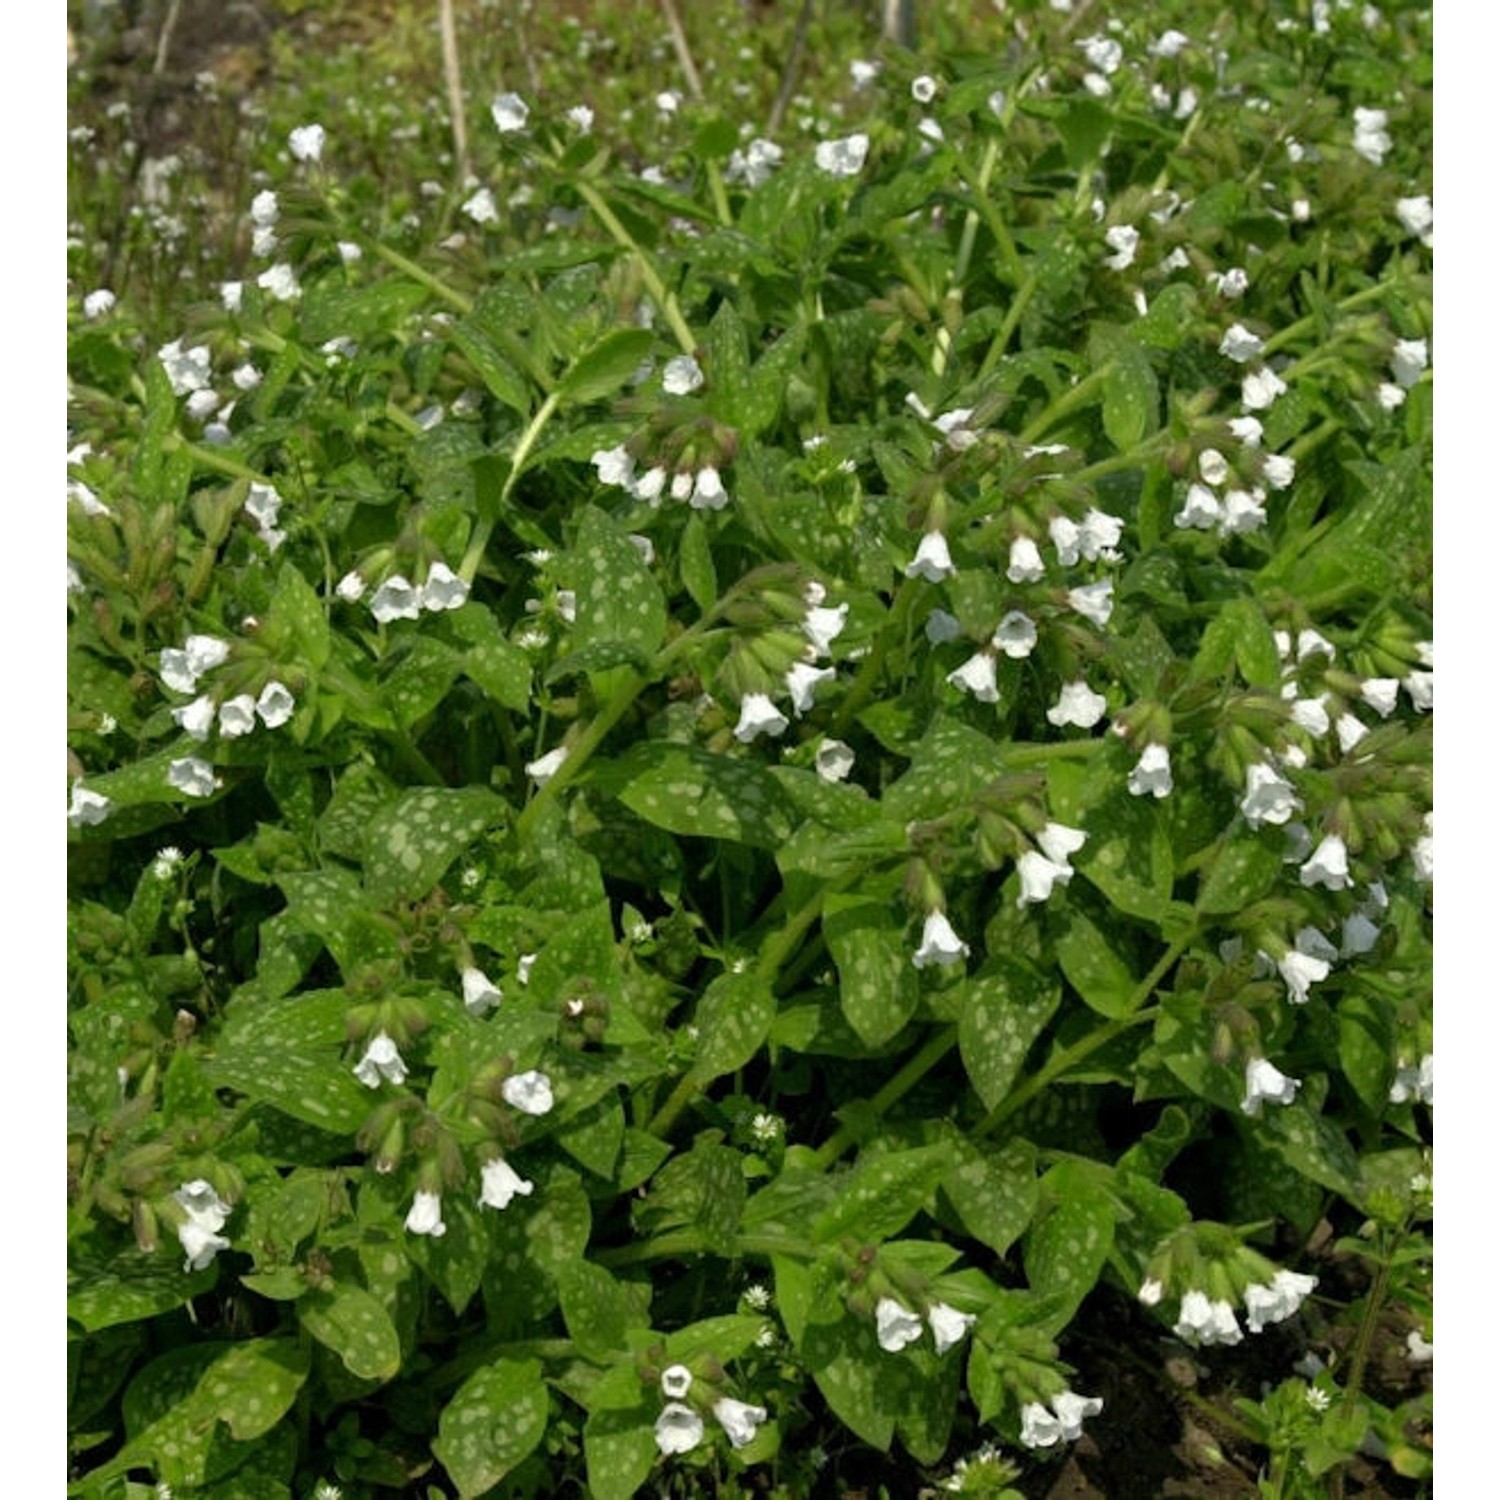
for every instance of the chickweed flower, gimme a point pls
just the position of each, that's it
(426, 1215)
(1264, 1080)
(531, 1093)
(509, 112)
(581, 118)
(500, 1182)
(924, 88)
(940, 943)
(895, 1326)
(306, 142)
(842, 158)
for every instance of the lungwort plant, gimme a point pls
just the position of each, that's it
(703, 798)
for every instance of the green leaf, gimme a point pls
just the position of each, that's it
(1311, 1144)
(619, 601)
(594, 1308)
(994, 1194)
(409, 843)
(1128, 856)
(686, 789)
(732, 1018)
(297, 617)
(1004, 1010)
(619, 1450)
(606, 366)
(728, 365)
(1066, 1247)
(702, 1189)
(128, 1287)
(1239, 633)
(695, 561)
(882, 1195)
(878, 986)
(1131, 399)
(500, 667)
(420, 680)
(1366, 1044)
(500, 376)
(593, 1138)
(854, 1374)
(951, 766)
(492, 1424)
(1091, 962)
(1241, 873)
(355, 1325)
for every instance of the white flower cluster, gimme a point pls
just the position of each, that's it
(1041, 1428)
(199, 1232)
(703, 490)
(679, 1427)
(896, 1326)
(398, 599)
(1203, 1321)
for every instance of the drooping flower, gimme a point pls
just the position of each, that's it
(1025, 564)
(1038, 875)
(1264, 1080)
(1240, 345)
(895, 1326)
(1094, 601)
(1039, 1428)
(834, 760)
(1328, 866)
(1201, 1321)
(1350, 731)
(509, 112)
(275, 705)
(351, 587)
(822, 626)
(206, 1213)
(306, 142)
(1124, 240)
(196, 719)
(1200, 509)
(1071, 1409)
(676, 1382)
(708, 490)
(932, 561)
(192, 776)
(500, 1182)
(1277, 1302)
(531, 1092)
(1077, 704)
(545, 767)
(1415, 215)
(382, 1061)
(1269, 796)
(949, 1326)
(1015, 635)
(801, 679)
(614, 466)
(97, 303)
(1301, 971)
(940, 943)
(1151, 774)
(396, 599)
(679, 1429)
(480, 994)
(237, 716)
(758, 715)
(1260, 388)
(444, 589)
(1244, 512)
(977, 676)
(187, 369)
(682, 376)
(1413, 1083)
(1150, 1292)
(1058, 842)
(1371, 139)
(739, 1419)
(426, 1215)
(481, 207)
(1380, 693)
(842, 158)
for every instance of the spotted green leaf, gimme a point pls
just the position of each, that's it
(732, 1018)
(355, 1325)
(1004, 1011)
(495, 1420)
(1068, 1243)
(878, 986)
(686, 789)
(409, 843)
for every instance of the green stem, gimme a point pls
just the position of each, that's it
(862, 689)
(404, 420)
(677, 1243)
(424, 277)
(474, 555)
(720, 197)
(1066, 404)
(1294, 331)
(978, 184)
(932, 1052)
(665, 300)
(207, 458)
(1013, 315)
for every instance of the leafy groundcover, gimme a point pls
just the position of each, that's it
(728, 787)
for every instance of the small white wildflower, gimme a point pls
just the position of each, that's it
(1015, 635)
(87, 809)
(381, 1061)
(444, 589)
(679, 1429)
(682, 376)
(426, 1215)
(98, 302)
(1240, 345)
(842, 158)
(1408, 360)
(187, 369)
(396, 599)
(1371, 139)
(1264, 1080)
(196, 719)
(834, 760)
(1077, 704)
(977, 676)
(676, 1382)
(500, 1183)
(531, 1093)
(895, 1326)
(192, 776)
(480, 994)
(264, 209)
(509, 112)
(1094, 601)
(1415, 215)
(306, 142)
(545, 767)
(1124, 240)
(1025, 564)
(1151, 774)
(481, 208)
(940, 943)
(1260, 388)
(1269, 796)
(758, 715)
